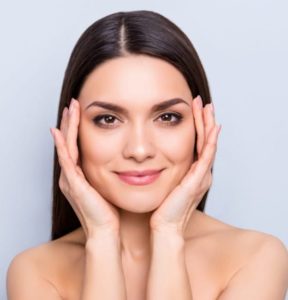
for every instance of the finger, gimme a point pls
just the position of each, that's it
(207, 157)
(65, 161)
(205, 161)
(199, 123)
(64, 120)
(202, 168)
(209, 119)
(72, 130)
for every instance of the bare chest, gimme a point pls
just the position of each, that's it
(207, 276)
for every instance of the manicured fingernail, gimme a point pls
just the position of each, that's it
(219, 128)
(65, 112)
(52, 132)
(199, 101)
(212, 107)
(71, 107)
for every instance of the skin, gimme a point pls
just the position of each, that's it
(138, 138)
(141, 140)
(223, 262)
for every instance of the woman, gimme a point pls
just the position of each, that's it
(132, 172)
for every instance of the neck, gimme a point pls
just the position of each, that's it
(135, 233)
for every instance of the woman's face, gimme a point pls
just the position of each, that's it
(137, 137)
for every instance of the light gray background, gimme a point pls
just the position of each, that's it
(243, 46)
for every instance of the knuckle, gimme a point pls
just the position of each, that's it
(62, 185)
(61, 160)
(212, 144)
(206, 159)
(206, 183)
(209, 179)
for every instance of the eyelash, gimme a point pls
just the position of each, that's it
(97, 119)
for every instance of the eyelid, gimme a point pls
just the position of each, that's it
(102, 116)
(96, 119)
(158, 114)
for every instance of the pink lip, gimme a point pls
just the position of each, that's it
(139, 177)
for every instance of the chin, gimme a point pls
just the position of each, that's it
(139, 209)
(135, 210)
(135, 201)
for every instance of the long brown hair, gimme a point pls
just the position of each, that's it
(115, 35)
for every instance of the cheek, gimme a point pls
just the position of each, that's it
(97, 149)
(178, 146)
(94, 150)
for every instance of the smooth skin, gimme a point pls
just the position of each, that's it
(163, 237)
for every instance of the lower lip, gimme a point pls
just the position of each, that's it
(139, 180)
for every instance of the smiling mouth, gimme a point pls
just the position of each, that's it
(139, 179)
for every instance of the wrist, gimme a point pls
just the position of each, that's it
(101, 238)
(167, 238)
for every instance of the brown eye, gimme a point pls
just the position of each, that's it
(108, 120)
(166, 117)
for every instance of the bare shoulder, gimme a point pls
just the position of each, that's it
(204, 226)
(54, 251)
(222, 252)
(44, 266)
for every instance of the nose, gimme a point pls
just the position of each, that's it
(139, 144)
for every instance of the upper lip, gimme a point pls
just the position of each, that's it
(139, 173)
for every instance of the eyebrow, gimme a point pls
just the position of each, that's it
(119, 109)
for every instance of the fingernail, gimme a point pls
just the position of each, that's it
(71, 107)
(212, 107)
(199, 101)
(65, 111)
(219, 128)
(52, 132)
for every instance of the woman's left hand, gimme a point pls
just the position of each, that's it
(175, 211)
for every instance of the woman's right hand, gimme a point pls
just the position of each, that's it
(94, 212)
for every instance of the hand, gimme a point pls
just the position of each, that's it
(92, 210)
(175, 211)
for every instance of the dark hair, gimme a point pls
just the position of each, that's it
(117, 35)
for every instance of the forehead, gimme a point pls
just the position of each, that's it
(136, 78)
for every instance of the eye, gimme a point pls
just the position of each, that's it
(107, 118)
(167, 118)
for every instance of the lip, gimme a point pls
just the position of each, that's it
(139, 177)
(139, 173)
